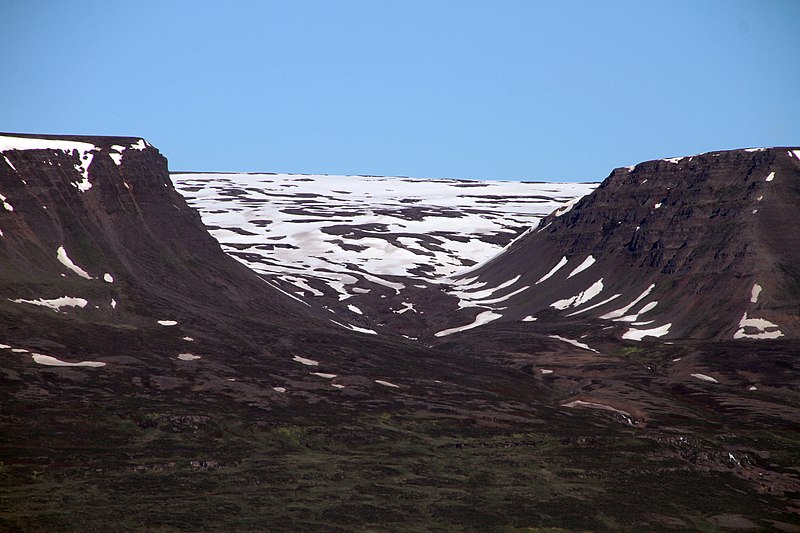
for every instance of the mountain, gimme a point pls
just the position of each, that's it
(150, 381)
(691, 247)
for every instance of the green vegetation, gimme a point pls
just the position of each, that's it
(216, 471)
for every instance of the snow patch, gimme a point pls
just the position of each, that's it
(407, 306)
(545, 371)
(386, 383)
(482, 318)
(580, 298)
(754, 293)
(52, 361)
(595, 306)
(188, 357)
(529, 318)
(168, 322)
(108, 278)
(354, 309)
(567, 207)
(555, 269)
(7, 206)
(639, 334)
(67, 262)
(760, 325)
(279, 389)
(56, 303)
(703, 377)
(589, 261)
(323, 375)
(574, 343)
(771, 176)
(620, 312)
(304, 361)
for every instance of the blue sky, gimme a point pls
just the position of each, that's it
(521, 90)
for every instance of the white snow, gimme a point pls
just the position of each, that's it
(589, 261)
(380, 216)
(85, 152)
(752, 387)
(407, 306)
(703, 377)
(188, 339)
(354, 309)
(674, 160)
(482, 318)
(113, 303)
(567, 207)
(52, 361)
(635, 317)
(594, 306)
(19, 350)
(337, 385)
(351, 327)
(386, 383)
(304, 361)
(188, 357)
(574, 343)
(759, 324)
(168, 322)
(67, 262)
(580, 298)
(620, 312)
(323, 375)
(555, 269)
(545, 371)
(108, 278)
(771, 176)
(754, 293)
(529, 318)
(796, 153)
(499, 298)
(4, 346)
(279, 389)
(56, 303)
(657, 205)
(639, 334)
(10, 164)
(7, 206)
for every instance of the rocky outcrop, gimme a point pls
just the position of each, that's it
(692, 247)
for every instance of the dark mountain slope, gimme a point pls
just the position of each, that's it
(693, 247)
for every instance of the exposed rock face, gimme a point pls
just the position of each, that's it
(700, 246)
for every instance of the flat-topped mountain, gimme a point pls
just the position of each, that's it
(692, 247)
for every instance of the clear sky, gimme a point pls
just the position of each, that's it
(523, 90)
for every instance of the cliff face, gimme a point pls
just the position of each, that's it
(699, 246)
